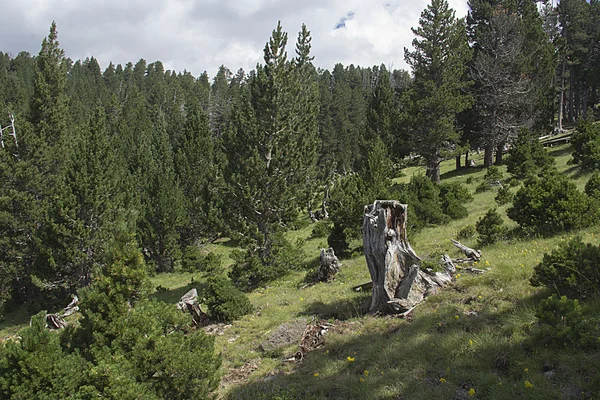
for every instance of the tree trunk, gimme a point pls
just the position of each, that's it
(467, 158)
(458, 165)
(499, 154)
(398, 282)
(329, 265)
(488, 156)
(561, 97)
(433, 171)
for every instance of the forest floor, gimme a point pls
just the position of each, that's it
(473, 340)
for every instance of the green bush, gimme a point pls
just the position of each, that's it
(527, 157)
(490, 228)
(467, 232)
(124, 346)
(195, 260)
(551, 204)
(504, 196)
(592, 187)
(225, 302)
(321, 229)
(252, 269)
(491, 176)
(453, 197)
(424, 202)
(564, 322)
(573, 269)
(586, 144)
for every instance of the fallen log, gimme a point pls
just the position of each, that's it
(57, 320)
(472, 254)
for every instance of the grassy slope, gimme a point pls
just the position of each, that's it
(444, 350)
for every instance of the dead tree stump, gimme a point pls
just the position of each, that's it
(189, 302)
(329, 265)
(399, 284)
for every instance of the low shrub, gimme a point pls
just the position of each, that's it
(453, 197)
(490, 228)
(564, 322)
(527, 157)
(195, 260)
(551, 204)
(254, 268)
(492, 175)
(504, 196)
(225, 302)
(467, 232)
(586, 145)
(321, 229)
(592, 187)
(572, 269)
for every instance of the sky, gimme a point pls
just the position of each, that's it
(201, 35)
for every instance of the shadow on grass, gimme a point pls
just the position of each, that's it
(13, 319)
(560, 151)
(172, 296)
(440, 355)
(342, 310)
(461, 172)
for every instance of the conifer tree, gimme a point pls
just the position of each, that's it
(439, 62)
(272, 146)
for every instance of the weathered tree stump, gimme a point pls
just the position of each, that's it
(399, 284)
(189, 302)
(329, 265)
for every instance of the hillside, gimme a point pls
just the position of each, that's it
(477, 334)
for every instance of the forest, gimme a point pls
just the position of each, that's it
(120, 184)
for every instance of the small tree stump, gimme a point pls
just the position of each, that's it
(189, 302)
(399, 284)
(329, 266)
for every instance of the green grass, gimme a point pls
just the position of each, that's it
(477, 334)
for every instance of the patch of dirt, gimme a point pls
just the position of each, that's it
(241, 374)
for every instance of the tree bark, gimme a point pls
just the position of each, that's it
(398, 282)
(458, 165)
(488, 156)
(499, 154)
(329, 265)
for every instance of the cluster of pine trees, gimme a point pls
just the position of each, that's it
(189, 160)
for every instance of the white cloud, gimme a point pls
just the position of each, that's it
(200, 35)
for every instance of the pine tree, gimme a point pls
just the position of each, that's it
(200, 172)
(439, 61)
(272, 146)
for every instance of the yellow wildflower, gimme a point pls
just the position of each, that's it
(470, 342)
(316, 374)
(361, 380)
(472, 392)
(366, 373)
(528, 385)
(350, 359)
(442, 380)
(526, 370)
(456, 317)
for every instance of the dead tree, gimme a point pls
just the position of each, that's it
(57, 321)
(398, 283)
(472, 254)
(13, 132)
(189, 302)
(329, 265)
